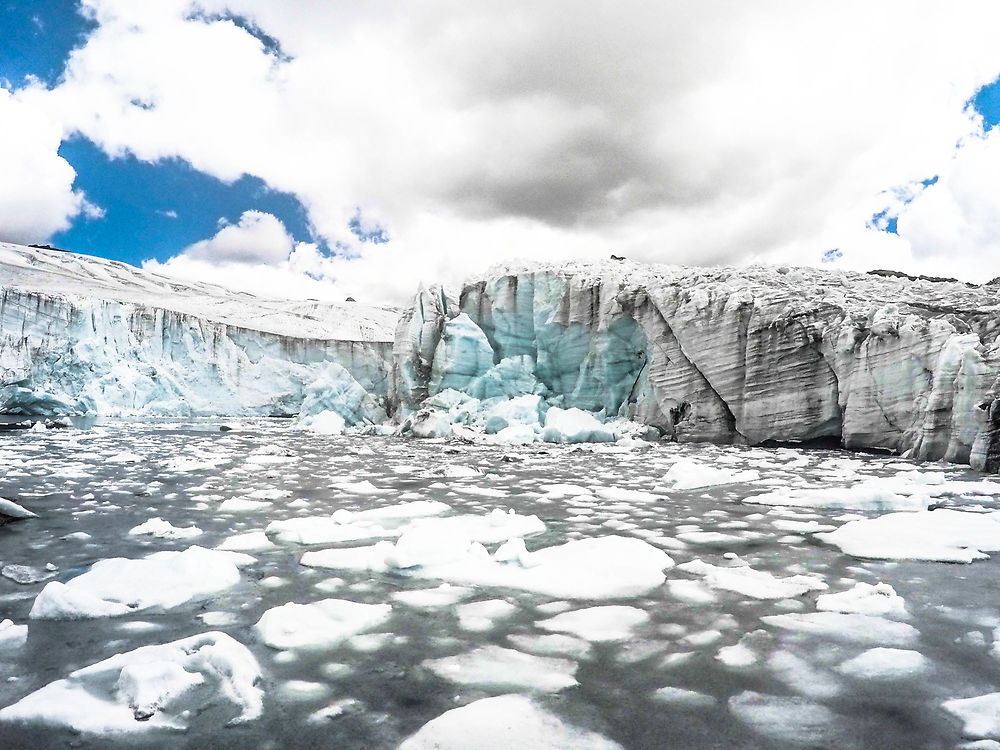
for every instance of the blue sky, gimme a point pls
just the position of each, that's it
(404, 152)
(151, 209)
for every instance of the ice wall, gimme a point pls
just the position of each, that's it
(727, 355)
(118, 341)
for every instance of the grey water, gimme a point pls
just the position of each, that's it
(66, 478)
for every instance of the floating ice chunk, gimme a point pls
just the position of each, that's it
(675, 696)
(118, 586)
(746, 652)
(412, 509)
(480, 616)
(600, 568)
(690, 591)
(941, 535)
(326, 422)
(523, 411)
(695, 475)
(364, 487)
(868, 495)
(980, 716)
(517, 434)
(153, 687)
(218, 618)
(164, 530)
(606, 623)
(575, 426)
(803, 677)
(847, 627)
(27, 574)
(795, 720)
(426, 546)
(428, 423)
(12, 636)
(885, 664)
(498, 668)
(609, 567)
(559, 491)
(709, 537)
(193, 463)
(322, 624)
(880, 599)
(495, 526)
(623, 495)
(10, 509)
(249, 541)
(324, 530)
(801, 527)
(457, 471)
(243, 505)
(554, 644)
(501, 723)
(334, 710)
(443, 596)
(514, 550)
(757, 584)
(303, 690)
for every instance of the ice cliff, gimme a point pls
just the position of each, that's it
(723, 355)
(575, 352)
(86, 335)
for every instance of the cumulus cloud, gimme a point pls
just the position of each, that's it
(675, 132)
(258, 237)
(36, 184)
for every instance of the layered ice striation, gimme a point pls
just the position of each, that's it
(86, 335)
(715, 354)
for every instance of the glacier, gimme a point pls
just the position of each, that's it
(83, 335)
(733, 356)
(525, 352)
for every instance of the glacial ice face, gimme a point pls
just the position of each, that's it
(729, 355)
(84, 335)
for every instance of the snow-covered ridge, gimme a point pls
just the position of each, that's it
(73, 276)
(86, 335)
(724, 354)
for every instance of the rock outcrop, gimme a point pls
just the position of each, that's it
(908, 365)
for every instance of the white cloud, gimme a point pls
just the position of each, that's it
(685, 133)
(36, 184)
(258, 237)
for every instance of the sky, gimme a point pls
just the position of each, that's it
(324, 150)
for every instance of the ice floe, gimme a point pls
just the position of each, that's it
(157, 527)
(757, 584)
(882, 663)
(502, 723)
(980, 716)
(12, 636)
(686, 474)
(497, 668)
(152, 687)
(878, 599)
(941, 535)
(605, 623)
(120, 586)
(841, 626)
(321, 624)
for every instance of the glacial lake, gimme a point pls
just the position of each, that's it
(785, 687)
